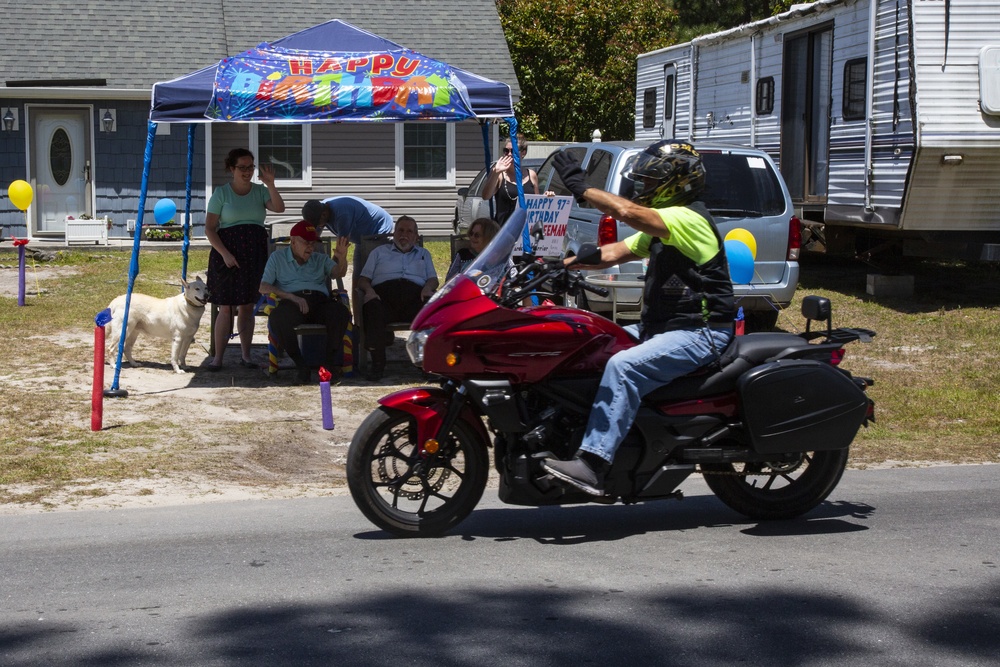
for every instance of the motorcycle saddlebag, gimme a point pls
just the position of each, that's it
(800, 406)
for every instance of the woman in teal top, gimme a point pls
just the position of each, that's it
(235, 228)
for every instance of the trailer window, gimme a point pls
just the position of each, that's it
(649, 108)
(855, 80)
(669, 81)
(765, 96)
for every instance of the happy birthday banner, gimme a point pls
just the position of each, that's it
(270, 83)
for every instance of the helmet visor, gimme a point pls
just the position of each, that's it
(636, 179)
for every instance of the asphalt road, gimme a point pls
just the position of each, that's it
(898, 568)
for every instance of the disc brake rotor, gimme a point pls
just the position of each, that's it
(392, 467)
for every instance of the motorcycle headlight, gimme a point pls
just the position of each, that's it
(415, 345)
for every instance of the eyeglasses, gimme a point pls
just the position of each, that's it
(507, 151)
(246, 167)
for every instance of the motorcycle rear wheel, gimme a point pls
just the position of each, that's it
(408, 494)
(778, 491)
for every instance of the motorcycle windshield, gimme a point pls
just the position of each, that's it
(493, 263)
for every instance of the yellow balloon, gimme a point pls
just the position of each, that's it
(741, 234)
(20, 194)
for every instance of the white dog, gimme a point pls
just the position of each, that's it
(176, 318)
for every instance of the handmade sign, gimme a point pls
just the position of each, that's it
(552, 213)
(273, 83)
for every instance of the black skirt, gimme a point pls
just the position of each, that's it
(238, 286)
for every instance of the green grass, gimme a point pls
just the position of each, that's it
(935, 360)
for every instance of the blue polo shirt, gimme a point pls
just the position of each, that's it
(354, 218)
(282, 270)
(387, 262)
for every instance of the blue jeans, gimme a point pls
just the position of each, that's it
(633, 373)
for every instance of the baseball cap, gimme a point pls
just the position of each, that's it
(304, 229)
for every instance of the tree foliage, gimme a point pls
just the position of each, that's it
(575, 60)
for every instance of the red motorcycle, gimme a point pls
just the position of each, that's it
(769, 425)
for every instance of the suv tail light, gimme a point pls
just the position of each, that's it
(607, 230)
(794, 239)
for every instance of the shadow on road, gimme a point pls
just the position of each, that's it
(671, 623)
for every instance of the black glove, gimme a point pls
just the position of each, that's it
(571, 174)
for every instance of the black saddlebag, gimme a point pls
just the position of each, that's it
(800, 406)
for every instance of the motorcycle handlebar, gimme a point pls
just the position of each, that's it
(599, 291)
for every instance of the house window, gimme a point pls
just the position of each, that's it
(649, 108)
(855, 85)
(764, 99)
(287, 147)
(425, 154)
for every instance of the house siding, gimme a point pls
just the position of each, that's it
(117, 166)
(359, 160)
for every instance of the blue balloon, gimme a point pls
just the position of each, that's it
(740, 261)
(164, 210)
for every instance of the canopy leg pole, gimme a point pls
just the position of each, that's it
(187, 203)
(487, 154)
(516, 154)
(133, 267)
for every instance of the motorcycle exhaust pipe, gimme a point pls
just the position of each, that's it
(718, 434)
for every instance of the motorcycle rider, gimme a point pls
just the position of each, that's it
(688, 307)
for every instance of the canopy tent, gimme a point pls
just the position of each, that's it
(187, 99)
(331, 72)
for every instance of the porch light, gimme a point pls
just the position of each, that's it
(108, 120)
(8, 120)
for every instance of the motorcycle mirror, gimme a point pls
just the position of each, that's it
(537, 232)
(588, 254)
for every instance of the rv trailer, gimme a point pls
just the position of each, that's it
(883, 115)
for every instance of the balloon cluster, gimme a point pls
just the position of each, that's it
(741, 251)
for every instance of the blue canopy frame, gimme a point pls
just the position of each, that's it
(187, 99)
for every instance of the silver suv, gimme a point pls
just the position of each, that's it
(743, 189)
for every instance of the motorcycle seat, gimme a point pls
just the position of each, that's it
(742, 354)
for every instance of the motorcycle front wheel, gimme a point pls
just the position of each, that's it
(783, 490)
(408, 493)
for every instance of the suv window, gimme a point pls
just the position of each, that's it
(597, 171)
(476, 188)
(555, 183)
(741, 183)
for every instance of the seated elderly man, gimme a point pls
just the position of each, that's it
(396, 280)
(299, 277)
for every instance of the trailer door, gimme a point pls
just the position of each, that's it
(805, 114)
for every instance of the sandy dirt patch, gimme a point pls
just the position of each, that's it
(228, 435)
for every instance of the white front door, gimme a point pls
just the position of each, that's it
(61, 163)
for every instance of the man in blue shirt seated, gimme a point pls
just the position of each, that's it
(397, 279)
(300, 277)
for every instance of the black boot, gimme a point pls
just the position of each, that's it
(301, 370)
(377, 368)
(584, 471)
